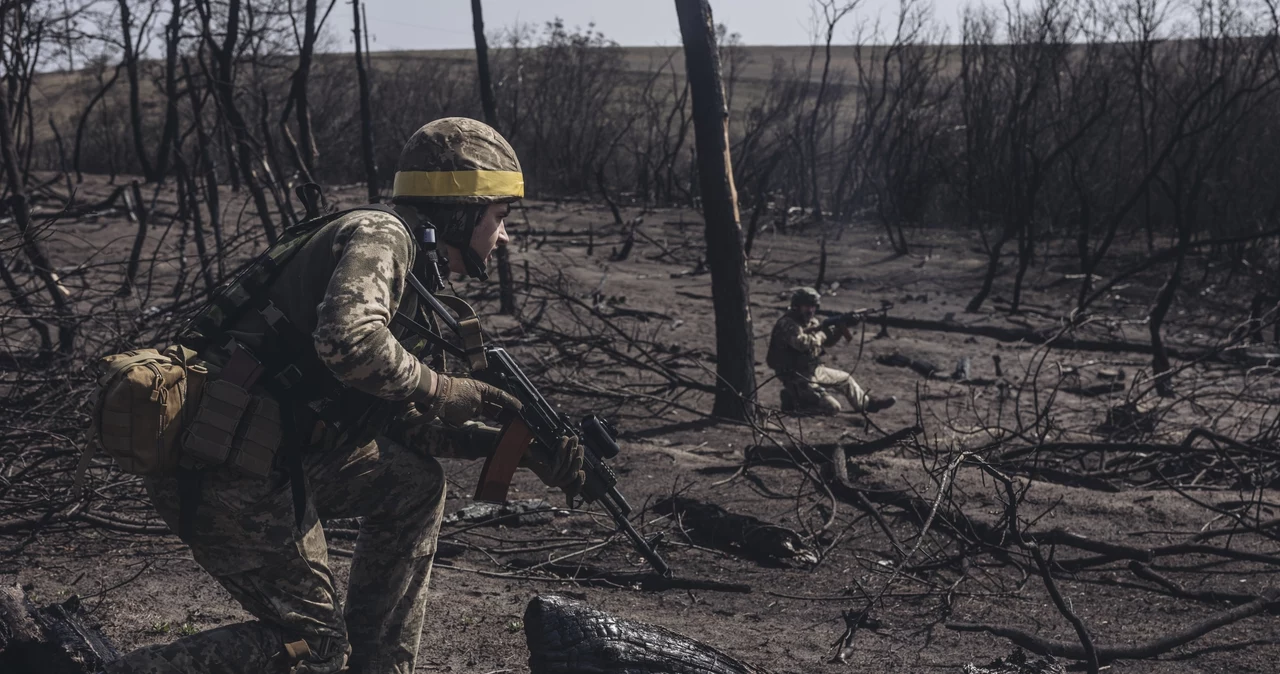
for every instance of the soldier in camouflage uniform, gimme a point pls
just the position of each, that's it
(343, 288)
(795, 350)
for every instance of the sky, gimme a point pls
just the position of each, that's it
(446, 24)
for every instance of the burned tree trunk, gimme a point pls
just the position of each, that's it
(1160, 366)
(307, 150)
(506, 283)
(135, 103)
(487, 99)
(208, 165)
(56, 639)
(137, 213)
(20, 207)
(366, 119)
(506, 289)
(223, 84)
(735, 353)
(84, 120)
(172, 36)
(566, 637)
(742, 535)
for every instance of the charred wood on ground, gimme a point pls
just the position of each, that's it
(56, 639)
(566, 637)
(742, 535)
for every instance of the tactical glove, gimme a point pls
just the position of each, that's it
(565, 468)
(458, 400)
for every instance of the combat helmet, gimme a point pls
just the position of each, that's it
(805, 297)
(450, 170)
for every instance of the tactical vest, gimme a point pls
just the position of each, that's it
(293, 373)
(785, 360)
(318, 412)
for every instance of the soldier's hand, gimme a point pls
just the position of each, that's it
(564, 470)
(458, 400)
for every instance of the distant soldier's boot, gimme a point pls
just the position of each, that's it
(788, 401)
(875, 404)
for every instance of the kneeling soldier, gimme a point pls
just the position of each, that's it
(363, 417)
(795, 350)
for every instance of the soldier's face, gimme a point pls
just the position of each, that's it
(490, 232)
(806, 311)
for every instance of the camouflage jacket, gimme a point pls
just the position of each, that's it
(343, 288)
(795, 347)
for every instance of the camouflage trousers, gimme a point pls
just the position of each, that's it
(813, 393)
(245, 536)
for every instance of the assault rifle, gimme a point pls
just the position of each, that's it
(538, 422)
(537, 427)
(849, 319)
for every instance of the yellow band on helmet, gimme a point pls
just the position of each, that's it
(459, 184)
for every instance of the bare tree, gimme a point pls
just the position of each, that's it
(132, 50)
(487, 99)
(366, 120)
(832, 12)
(172, 38)
(1022, 89)
(506, 284)
(12, 26)
(103, 88)
(222, 79)
(893, 151)
(304, 153)
(735, 352)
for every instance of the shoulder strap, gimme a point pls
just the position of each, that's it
(466, 327)
(248, 289)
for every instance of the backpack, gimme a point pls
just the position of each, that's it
(145, 399)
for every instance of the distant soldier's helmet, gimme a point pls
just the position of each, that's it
(451, 170)
(805, 297)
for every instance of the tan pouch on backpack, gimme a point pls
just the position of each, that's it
(145, 398)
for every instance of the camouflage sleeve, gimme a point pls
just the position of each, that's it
(353, 336)
(420, 433)
(800, 339)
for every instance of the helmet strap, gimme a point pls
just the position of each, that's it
(453, 235)
(471, 260)
(474, 264)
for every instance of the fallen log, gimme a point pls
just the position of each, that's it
(566, 637)
(922, 367)
(1017, 663)
(56, 639)
(1040, 337)
(512, 513)
(741, 535)
(822, 452)
(1148, 649)
(871, 493)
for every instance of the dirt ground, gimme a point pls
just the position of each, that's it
(145, 588)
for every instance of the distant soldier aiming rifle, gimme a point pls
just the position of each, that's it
(795, 355)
